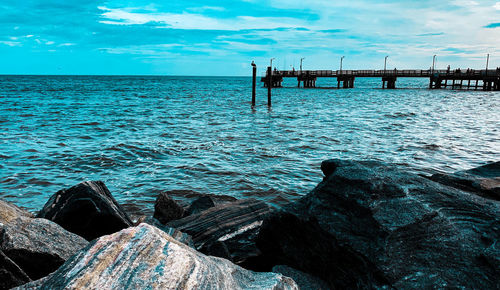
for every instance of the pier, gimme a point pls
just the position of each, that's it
(486, 80)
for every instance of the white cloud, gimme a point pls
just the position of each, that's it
(206, 8)
(196, 21)
(10, 43)
(497, 6)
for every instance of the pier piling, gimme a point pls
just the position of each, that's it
(269, 85)
(254, 82)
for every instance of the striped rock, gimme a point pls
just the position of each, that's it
(236, 224)
(145, 257)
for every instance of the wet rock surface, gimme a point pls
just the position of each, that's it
(483, 180)
(369, 224)
(38, 246)
(11, 275)
(146, 257)
(236, 224)
(167, 209)
(87, 209)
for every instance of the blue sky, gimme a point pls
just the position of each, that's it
(223, 37)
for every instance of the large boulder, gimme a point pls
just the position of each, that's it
(146, 257)
(235, 224)
(167, 209)
(483, 180)
(370, 224)
(38, 246)
(11, 275)
(87, 209)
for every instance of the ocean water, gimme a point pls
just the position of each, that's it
(145, 134)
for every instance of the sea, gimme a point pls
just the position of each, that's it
(142, 135)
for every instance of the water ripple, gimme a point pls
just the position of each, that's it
(187, 135)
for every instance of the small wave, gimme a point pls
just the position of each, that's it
(432, 147)
(9, 181)
(39, 181)
(31, 150)
(89, 124)
(399, 115)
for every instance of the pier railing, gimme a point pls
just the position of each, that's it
(382, 73)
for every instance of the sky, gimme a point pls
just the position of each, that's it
(222, 38)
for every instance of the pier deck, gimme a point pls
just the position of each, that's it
(487, 80)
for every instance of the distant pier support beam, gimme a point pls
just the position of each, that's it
(390, 80)
(347, 82)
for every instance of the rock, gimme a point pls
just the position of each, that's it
(146, 257)
(10, 212)
(369, 224)
(87, 209)
(483, 180)
(304, 280)
(38, 246)
(11, 275)
(166, 209)
(235, 223)
(200, 204)
(174, 233)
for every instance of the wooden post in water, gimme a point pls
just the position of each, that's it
(269, 85)
(254, 80)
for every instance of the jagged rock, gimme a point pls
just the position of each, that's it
(369, 224)
(146, 257)
(166, 209)
(10, 212)
(38, 246)
(87, 209)
(234, 223)
(483, 180)
(304, 280)
(200, 204)
(11, 275)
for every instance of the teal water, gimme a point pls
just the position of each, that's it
(143, 135)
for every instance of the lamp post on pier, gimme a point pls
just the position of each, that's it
(433, 62)
(341, 59)
(385, 64)
(301, 64)
(487, 62)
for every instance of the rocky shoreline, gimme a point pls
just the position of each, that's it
(366, 225)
